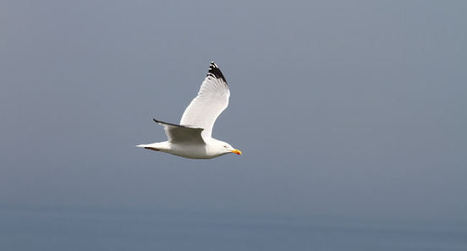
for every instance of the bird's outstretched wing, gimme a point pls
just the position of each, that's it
(212, 99)
(181, 134)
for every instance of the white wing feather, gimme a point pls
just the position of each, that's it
(181, 134)
(212, 99)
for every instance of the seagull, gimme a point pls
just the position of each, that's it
(192, 137)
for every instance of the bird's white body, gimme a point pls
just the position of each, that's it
(210, 150)
(192, 138)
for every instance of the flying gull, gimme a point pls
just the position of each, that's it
(192, 138)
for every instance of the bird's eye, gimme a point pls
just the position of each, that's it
(225, 146)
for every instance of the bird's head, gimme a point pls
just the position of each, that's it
(227, 148)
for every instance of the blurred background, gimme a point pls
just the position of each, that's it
(351, 117)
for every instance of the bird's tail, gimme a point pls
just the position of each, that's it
(149, 147)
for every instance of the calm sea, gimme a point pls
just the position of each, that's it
(47, 229)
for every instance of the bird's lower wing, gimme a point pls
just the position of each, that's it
(181, 134)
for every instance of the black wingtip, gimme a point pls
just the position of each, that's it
(215, 72)
(160, 122)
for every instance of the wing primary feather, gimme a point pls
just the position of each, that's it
(172, 124)
(215, 72)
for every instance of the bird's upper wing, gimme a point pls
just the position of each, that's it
(182, 134)
(212, 99)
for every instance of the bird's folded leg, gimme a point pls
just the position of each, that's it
(152, 148)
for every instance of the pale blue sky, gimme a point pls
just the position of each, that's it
(348, 108)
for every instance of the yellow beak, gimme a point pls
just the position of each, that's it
(236, 151)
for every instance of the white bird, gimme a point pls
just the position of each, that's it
(192, 138)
